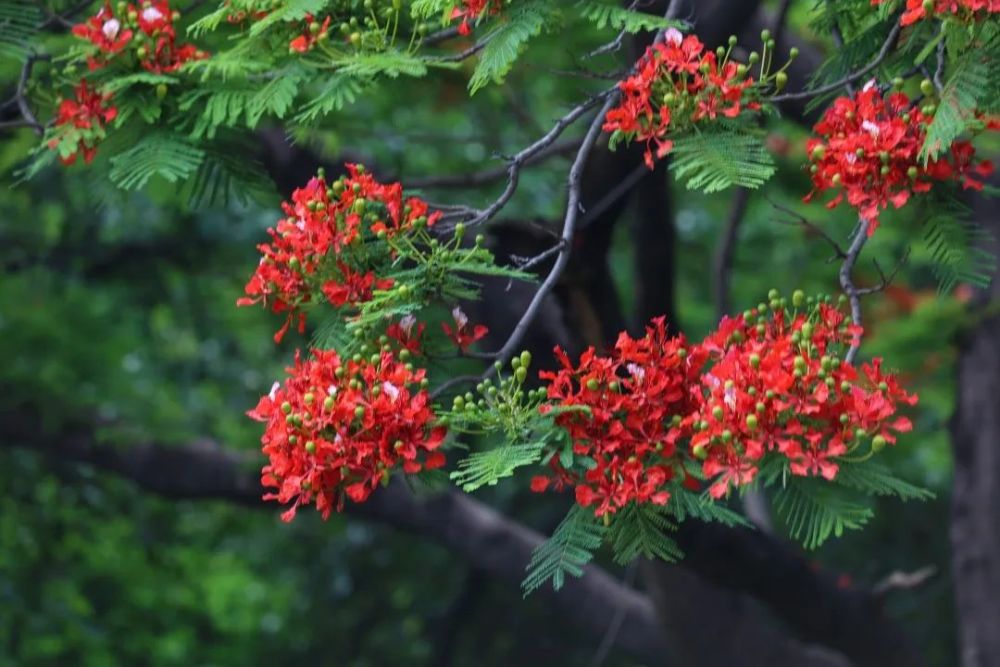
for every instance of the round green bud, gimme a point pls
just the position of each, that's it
(359, 411)
(311, 447)
(798, 298)
(793, 52)
(732, 40)
(593, 384)
(526, 359)
(878, 444)
(760, 407)
(773, 294)
(845, 386)
(161, 91)
(912, 172)
(700, 452)
(717, 412)
(755, 360)
(309, 397)
(927, 87)
(780, 81)
(752, 422)
(521, 373)
(328, 403)
(286, 407)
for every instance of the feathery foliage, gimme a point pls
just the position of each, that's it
(960, 249)
(505, 42)
(715, 160)
(570, 548)
(641, 530)
(813, 510)
(169, 156)
(488, 467)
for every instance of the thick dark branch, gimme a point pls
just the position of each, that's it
(487, 539)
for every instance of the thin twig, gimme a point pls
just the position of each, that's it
(608, 641)
(839, 252)
(488, 176)
(21, 97)
(885, 280)
(723, 260)
(848, 80)
(572, 214)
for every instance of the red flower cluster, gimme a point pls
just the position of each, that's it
(776, 384)
(463, 335)
(762, 384)
(869, 146)
(624, 416)
(472, 10)
(339, 428)
(313, 250)
(148, 28)
(81, 123)
(314, 32)
(675, 85)
(971, 10)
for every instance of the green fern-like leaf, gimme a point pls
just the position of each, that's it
(814, 510)
(227, 173)
(489, 467)
(570, 548)
(392, 64)
(337, 92)
(874, 478)
(714, 161)
(505, 43)
(641, 530)
(685, 504)
(960, 98)
(291, 10)
(604, 14)
(168, 156)
(19, 20)
(959, 249)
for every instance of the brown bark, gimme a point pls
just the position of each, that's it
(975, 510)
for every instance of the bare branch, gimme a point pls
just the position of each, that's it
(851, 78)
(902, 581)
(487, 176)
(723, 264)
(839, 252)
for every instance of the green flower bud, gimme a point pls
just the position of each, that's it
(878, 444)
(592, 384)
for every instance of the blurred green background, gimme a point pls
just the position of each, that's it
(120, 308)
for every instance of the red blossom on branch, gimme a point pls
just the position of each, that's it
(314, 32)
(677, 84)
(869, 149)
(463, 335)
(965, 10)
(764, 384)
(338, 428)
(81, 123)
(310, 250)
(149, 27)
(471, 10)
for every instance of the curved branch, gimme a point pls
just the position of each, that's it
(494, 543)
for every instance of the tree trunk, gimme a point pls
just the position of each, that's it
(975, 510)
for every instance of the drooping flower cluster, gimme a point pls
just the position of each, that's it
(776, 384)
(766, 383)
(678, 84)
(80, 124)
(869, 148)
(318, 249)
(964, 10)
(338, 428)
(470, 10)
(623, 416)
(147, 30)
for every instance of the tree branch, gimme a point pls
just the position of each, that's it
(203, 470)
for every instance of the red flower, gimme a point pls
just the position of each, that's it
(80, 124)
(965, 10)
(105, 31)
(472, 10)
(869, 148)
(461, 336)
(764, 384)
(407, 333)
(675, 85)
(313, 33)
(312, 250)
(337, 429)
